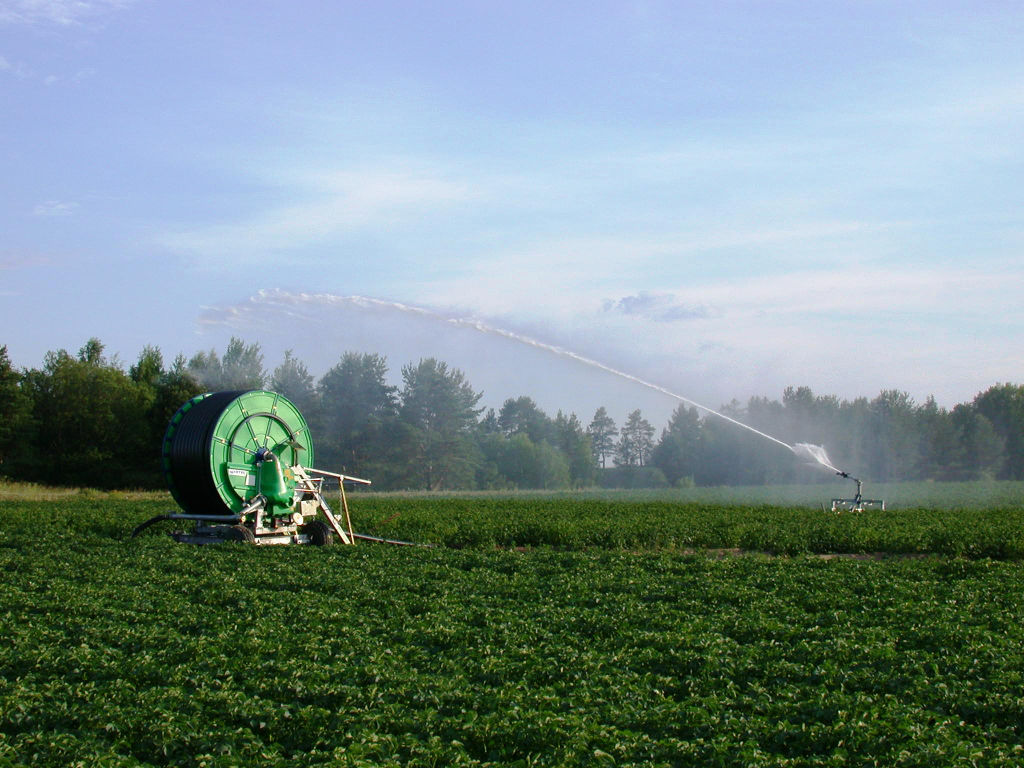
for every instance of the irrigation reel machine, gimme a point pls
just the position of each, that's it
(239, 464)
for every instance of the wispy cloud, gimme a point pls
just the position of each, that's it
(338, 202)
(55, 208)
(660, 307)
(581, 273)
(22, 71)
(60, 12)
(18, 69)
(78, 77)
(848, 293)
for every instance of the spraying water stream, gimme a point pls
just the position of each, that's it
(812, 454)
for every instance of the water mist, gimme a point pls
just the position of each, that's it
(812, 454)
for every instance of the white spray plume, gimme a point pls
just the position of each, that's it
(486, 328)
(813, 454)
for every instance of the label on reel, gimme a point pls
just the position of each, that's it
(250, 479)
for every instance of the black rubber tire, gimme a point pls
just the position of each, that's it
(319, 532)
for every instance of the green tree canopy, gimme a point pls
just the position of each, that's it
(293, 380)
(575, 444)
(241, 368)
(893, 451)
(149, 367)
(522, 416)
(439, 411)
(678, 451)
(981, 449)
(92, 419)
(636, 441)
(527, 464)
(15, 412)
(84, 419)
(357, 411)
(1003, 406)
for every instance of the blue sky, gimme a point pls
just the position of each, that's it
(721, 198)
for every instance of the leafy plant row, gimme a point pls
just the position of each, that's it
(573, 523)
(153, 653)
(645, 525)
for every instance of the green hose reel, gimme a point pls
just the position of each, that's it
(224, 450)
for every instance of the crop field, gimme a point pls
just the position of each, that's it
(542, 630)
(903, 495)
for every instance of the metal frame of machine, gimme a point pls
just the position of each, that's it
(301, 527)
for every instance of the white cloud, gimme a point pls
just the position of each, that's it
(78, 77)
(55, 208)
(61, 12)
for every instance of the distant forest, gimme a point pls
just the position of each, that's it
(88, 420)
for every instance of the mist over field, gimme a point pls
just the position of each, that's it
(502, 362)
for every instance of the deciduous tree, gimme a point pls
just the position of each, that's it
(1003, 406)
(91, 417)
(15, 412)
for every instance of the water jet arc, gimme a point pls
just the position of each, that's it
(814, 454)
(804, 450)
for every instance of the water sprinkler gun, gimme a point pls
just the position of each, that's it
(858, 503)
(815, 456)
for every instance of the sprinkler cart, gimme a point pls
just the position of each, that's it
(858, 503)
(239, 464)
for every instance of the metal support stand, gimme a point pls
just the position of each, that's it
(858, 503)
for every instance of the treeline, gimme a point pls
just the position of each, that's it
(87, 419)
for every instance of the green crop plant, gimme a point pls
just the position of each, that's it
(615, 647)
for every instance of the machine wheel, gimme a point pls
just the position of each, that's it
(320, 534)
(239, 533)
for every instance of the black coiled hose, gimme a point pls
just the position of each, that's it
(187, 455)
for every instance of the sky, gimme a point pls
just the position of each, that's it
(720, 198)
